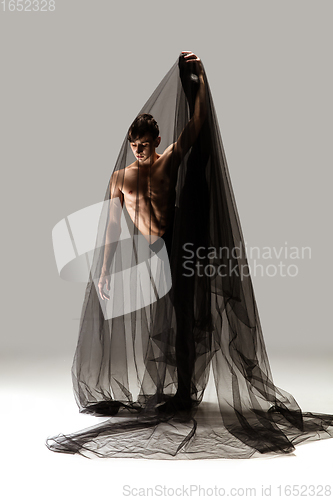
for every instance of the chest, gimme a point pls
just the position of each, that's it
(146, 185)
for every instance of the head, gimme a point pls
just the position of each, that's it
(143, 136)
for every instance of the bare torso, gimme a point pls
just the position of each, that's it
(149, 195)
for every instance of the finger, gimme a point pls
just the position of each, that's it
(192, 58)
(100, 289)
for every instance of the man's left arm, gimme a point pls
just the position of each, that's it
(192, 129)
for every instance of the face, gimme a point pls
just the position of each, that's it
(144, 147)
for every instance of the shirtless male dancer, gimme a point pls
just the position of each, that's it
(150, 204)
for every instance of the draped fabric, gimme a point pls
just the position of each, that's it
(182, 308)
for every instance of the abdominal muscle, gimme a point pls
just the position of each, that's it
(150, 202)
(151, 223)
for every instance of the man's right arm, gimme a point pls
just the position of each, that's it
(113, 231)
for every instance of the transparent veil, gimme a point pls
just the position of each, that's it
(180, 306)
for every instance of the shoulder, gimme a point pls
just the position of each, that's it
(173, 151)
(165, 157)
(169, 149)
(117, 182)
(118, 176)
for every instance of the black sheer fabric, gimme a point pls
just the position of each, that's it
(181, 306)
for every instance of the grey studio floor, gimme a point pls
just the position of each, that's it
(38, 402)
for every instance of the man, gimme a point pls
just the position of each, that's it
(147, 187)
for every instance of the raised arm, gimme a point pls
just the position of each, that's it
(113, 232)
(192, 129)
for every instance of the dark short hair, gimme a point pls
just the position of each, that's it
(142, 125)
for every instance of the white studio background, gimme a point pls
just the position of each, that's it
(72, 81)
